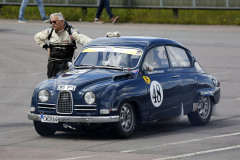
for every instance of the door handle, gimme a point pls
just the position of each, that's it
(176, 76)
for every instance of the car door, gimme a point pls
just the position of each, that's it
(163, 84)
(181, 61)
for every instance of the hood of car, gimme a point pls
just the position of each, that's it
(81, 78)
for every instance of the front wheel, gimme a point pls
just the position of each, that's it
(43, 129)
(203, 113)
(127, 121)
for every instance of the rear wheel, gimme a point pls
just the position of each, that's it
(203, 113)
(43, 129)
(127, 122)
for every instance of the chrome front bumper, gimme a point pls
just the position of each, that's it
(78, 119)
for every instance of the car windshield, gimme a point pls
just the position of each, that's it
(109, 57)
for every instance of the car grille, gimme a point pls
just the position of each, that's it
(46, 107)
(85, 108)
(65, 104)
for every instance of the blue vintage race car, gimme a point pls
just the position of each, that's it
(123, 81)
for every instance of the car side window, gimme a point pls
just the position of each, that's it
(156, 58)
(178, 57)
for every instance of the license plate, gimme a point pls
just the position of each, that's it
(49, 119)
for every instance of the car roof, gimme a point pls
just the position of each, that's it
(141, 42)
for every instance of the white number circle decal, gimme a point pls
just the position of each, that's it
(156, 93)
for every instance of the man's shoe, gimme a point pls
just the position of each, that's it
(46, 19)
(114, 19)
(22, 20)
(99, 21)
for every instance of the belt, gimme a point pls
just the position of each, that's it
(57, 59)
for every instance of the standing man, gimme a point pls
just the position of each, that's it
(40, 7)
(106, 4)
(62, 39)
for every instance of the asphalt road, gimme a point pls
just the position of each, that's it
(23, 66)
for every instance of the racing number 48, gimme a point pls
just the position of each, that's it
(156, 94)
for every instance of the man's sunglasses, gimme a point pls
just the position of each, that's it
(53, 22)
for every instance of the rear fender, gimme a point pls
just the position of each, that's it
(213, 93)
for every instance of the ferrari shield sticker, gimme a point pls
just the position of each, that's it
(156, 93)
(147, 79)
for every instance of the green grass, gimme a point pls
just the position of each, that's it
(209, 17)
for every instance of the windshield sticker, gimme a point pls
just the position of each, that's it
(139, 53)
(156, 93)
(147, 79)
(128, 51)
(109, 49)
(133, 51)
(89, 50)
(66, 87)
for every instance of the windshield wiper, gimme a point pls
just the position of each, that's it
(84, 66)
(110, 67)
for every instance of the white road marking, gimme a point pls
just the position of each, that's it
(182, 142)
(199, 153)
(77, 158)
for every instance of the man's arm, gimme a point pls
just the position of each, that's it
(41, 38)
(80, 38)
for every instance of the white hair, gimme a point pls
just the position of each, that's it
(59, 15)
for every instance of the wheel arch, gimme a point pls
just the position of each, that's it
(213, 93)
(136, 107)
(203, 93)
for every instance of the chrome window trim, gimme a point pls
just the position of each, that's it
(139, 61)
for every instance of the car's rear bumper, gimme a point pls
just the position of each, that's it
(78, 119)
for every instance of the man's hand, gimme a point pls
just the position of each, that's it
(48, 50)
(45, 46)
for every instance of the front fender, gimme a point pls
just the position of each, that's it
(133, 90)
(35, 95)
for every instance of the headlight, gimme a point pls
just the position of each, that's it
(43, 95)
(89, 97)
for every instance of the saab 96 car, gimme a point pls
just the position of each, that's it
(124, 81)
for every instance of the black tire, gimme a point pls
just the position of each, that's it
(127, 121)
(203, 113)
(43, 129)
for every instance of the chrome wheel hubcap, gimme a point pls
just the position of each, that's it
(204, 107)
(126, 117)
